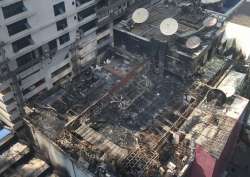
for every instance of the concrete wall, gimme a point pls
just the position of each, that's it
(204, 163)
(56, 156)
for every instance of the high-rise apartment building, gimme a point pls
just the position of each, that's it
(45, 43)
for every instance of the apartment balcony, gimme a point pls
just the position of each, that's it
(104, 41)
(91, 47)
(8, 107)
(22, 44)
(15, 12)
(88, 27)
(35, 91)
(83, 4)
(6, 97)
(103, 34)
(83, 14)
(114, 9)
(4, 115)
(116, 4)
(62, 74)
(13, 9)
(85, 20)
(88, 59)
(13, 124)
(29, 81)
(11, 116)
(28, 69)
(86, 33)
(3, 86)
(18, 29)
(103, 13)
(15, 114)
(24, 15)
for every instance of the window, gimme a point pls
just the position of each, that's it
(12, 111)
(34, 86)
(25, 59)
(13, 9)
(103, 39)
(10, 101)
(22, 43)
(62, 24)
(52, 45)
(60, 70)
(80, 2)
(102, 29)
(5, 91)
(88, 26)
(62, 80)
(59, 8)
(85, 13)
(18, 27)
(64, 38)
(25, 77)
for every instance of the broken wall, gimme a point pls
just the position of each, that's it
(56, 156)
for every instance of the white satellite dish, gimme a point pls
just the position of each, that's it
(169, 26)
(193, 42)
(140, 15)
(210, 21)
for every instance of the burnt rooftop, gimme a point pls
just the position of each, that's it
(67, 102)
(123, 111)
(126, 112)
(211, 126)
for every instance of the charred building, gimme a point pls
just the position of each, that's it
(156, 104)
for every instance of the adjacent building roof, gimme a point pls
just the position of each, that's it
(210, 125)
(242, 15)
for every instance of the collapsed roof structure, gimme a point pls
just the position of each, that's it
(155, 100)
